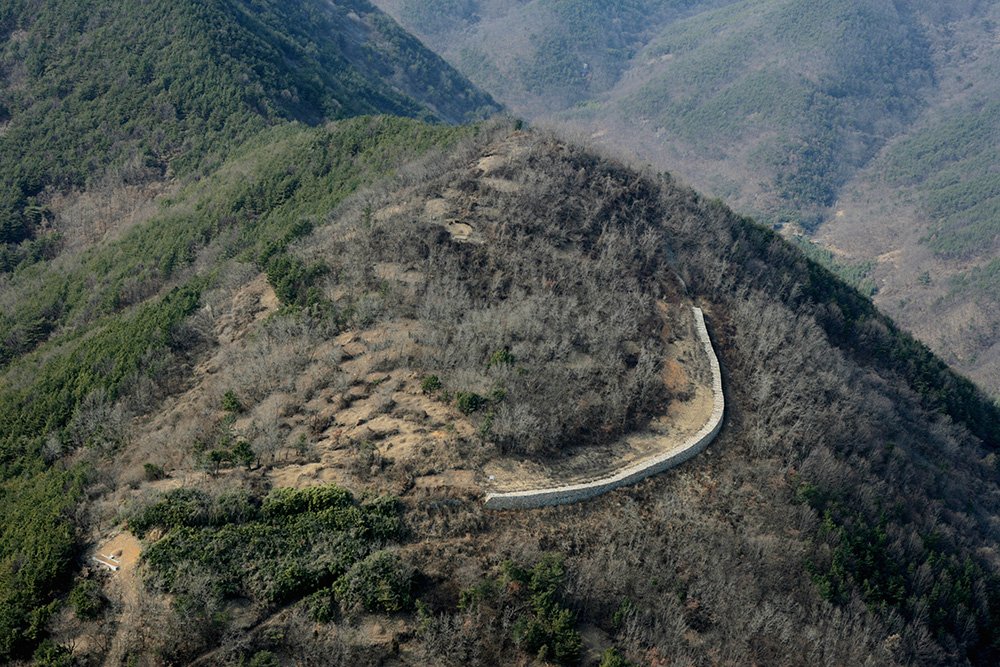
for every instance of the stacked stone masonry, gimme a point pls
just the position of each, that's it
(695, 444)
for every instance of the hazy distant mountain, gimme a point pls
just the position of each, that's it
(867, 125)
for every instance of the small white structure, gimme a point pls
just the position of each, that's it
(110, 562)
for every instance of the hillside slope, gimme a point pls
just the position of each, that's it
(105, 109)
(868, 127)
(109, 325)
(844, 515)
(780, 100)
(138, 140)
(110, 97)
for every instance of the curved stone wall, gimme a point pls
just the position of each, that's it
(572, 492)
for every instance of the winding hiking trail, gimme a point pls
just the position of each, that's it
(668, 457)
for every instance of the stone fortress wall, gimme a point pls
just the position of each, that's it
(651, 466)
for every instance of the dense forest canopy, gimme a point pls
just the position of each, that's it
(134, 89)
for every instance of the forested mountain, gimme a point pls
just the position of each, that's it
(104, 105)
(259, 352)
(107, 108)
(101, 95)
(295, 432)
(867, 126)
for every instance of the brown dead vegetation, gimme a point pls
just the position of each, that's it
(711, 557)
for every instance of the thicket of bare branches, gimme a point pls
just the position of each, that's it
(562, 272)
(719, 562)
(812, 406)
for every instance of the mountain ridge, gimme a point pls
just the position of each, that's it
(196, 80)
(834, 416)
(288, 378)
(806, 117)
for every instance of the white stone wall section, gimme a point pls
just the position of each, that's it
(695, 444)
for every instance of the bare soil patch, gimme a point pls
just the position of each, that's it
(122, 550)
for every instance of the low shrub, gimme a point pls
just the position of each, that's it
(467, 403)
(153, 472)
(430, 384)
